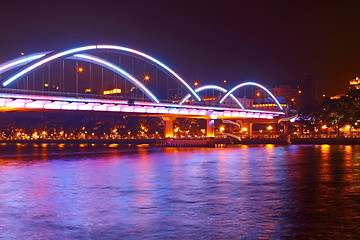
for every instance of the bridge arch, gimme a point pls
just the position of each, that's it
(214, 87)
(252, 84)
(55, 55)
(87, 58)
(17, 62)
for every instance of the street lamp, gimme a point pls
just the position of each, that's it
(196, 84)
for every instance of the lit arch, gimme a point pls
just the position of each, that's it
(17, 62)
(47, 58)
(118, 70)
(83, 57)
(252, 84)
(214, 87)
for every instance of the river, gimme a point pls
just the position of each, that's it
(243, 192)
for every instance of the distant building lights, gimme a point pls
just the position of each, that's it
(269, 128)
(113, 91)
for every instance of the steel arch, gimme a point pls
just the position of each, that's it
(252, 84)
(215, 87)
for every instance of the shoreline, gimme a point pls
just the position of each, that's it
(192, 142)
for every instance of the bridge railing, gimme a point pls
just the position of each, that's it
(75, 95)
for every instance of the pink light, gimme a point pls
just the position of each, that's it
(227, 114)
(184, 111)
(37, 104)
(152, 110)
(243, 114)
(102, 107)
(55, 105)
(140, 109)
(235, 114)
(88, 106)
(116, 108)
(174, 111)
(163, 111)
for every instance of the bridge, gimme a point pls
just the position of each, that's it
(43, 82)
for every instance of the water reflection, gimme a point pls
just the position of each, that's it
(107, 192)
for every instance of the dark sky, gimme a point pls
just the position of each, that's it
(208, 41)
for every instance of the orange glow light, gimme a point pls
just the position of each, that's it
(196, 84)
(80, 69)
(258, 94)
(147, 78)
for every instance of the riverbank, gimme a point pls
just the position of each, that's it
(297, 141)
(191, 142)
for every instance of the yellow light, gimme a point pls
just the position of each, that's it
(46, 85)
(300, 91)
(176, 129)
(348, 127)
(196, 84)
(43, 133)
(222, 129)
(147, 78)
(113, 91)
(225, 81)
(88, 90)
(258, 94)
(244, 129)
(324, 127)
(80, 69)
(22, 53)
(293, 99)
(269, 128)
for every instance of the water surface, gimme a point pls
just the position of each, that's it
(247, 192)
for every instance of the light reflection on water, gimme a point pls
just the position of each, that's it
(107, 192)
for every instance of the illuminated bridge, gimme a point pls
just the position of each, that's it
(110, 78)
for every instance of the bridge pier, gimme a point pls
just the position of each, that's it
(249, 129)
(210, 128)
(169, 127)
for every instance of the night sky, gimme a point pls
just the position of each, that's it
(208, 41)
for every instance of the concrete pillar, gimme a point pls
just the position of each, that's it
(250, 125)
(210, 128)
(169, 127)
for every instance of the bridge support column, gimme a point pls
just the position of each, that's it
(169, 127)
(210, 128)
(250, 126)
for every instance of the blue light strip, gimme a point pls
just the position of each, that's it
(252, 84)
(14, 63)
(46, 60)
(215, 88)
